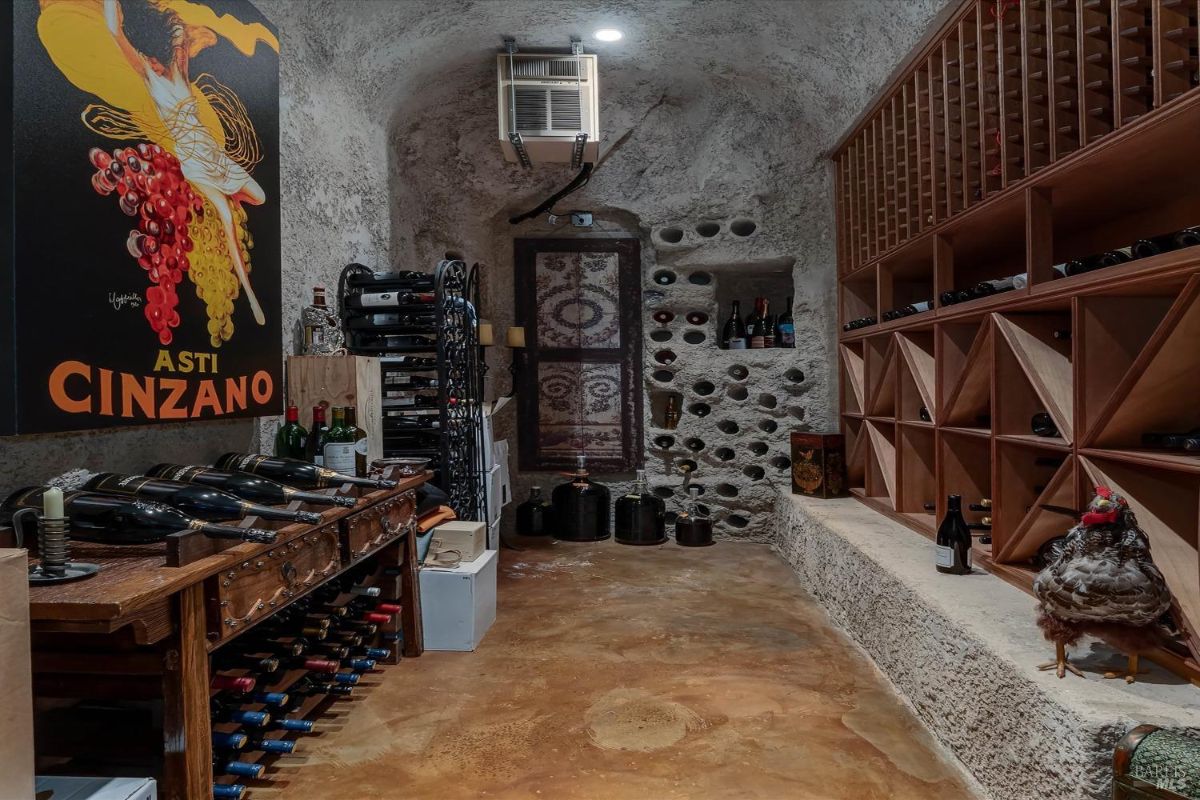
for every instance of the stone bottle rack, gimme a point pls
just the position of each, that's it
(737, 406)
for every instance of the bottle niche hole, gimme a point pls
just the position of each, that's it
(728, 426)
(661, 336)
(737, 393)
(767, 400)
(665, 357)
(727, 490)
(671, 235)
(768, 426)
(664, 277)
(796, 411)
(694, 337)
(781, 462)
(664, 442)
(794, 375)
(696, 317)
(694, 444)
(759, 448)
(665, 492)
(686, 465)
(725, 453)
(663, 375)
(754, 472)
(703, 388)
(708, 229)
(665, 408)
(699, 409)
(743, 227)
(700, 278)
(662, 316)
(737, 521)
(738, 372)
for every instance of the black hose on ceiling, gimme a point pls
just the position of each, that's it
(576, 184)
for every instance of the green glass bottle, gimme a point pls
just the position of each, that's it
(359, 437)
(339, 445)
(290, 440)
(315, 451)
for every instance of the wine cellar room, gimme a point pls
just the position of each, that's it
(668, 399)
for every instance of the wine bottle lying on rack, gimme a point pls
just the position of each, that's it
(245, 485)
(1042, 424)
(292, 472)
(1189, 442)
(229, 791)
(373, 300)
(203, 502)
(113, 519)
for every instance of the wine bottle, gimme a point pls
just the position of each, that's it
(924, 414)
(663, 317)
(1042, 424)
(671, 415)
(261, 743)
(253, 660)
(1111, 258)
(987, 288)
(768, 324)
(198, 500)
(733, 334)
(228, 791)
(314, 448)
(640, 516)
(916, 308)
(294, 725)
(359, 438)
(785, 327)
(755, 332)
(339, 450)
(244, 769)
(224, 712)
(411, 362)
(1172, 441)
(372, 300)
(222, 682)
(1062, 334)
(114, 519)
(245, 485)
(535, 515)
(953, 547)
(291, 438)
(229, 741)
(295, 473)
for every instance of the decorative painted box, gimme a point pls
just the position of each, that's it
(819, 464)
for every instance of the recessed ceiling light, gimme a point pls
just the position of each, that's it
(609, 35)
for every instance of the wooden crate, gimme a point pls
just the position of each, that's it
(340, 381)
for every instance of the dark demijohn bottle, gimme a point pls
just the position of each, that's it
(953, 548)
(693, 528)
(581, 507)
(640, 516)
(535, 517)
(245, 485)
(203, 502)
(113, 519)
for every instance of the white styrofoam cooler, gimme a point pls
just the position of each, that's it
(64, 788)
(458, 604)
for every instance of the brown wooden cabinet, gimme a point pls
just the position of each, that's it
(1018, 137)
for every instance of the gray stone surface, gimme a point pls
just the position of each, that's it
(963, 651)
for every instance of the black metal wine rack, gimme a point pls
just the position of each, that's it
(435, 371)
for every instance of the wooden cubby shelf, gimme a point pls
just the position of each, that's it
(1056, 132)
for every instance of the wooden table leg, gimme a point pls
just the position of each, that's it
(410, 597)
(187, 730)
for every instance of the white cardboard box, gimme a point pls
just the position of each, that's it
(495, 494)
(493, 536)
(468, 539)
(458, 604)
(98, 788)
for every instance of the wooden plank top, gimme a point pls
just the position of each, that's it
(135, 577)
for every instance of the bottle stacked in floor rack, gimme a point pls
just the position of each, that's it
(424, 329)
(270, 685)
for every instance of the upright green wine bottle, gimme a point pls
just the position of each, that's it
(339, 445)
(359, 437)
(314, 449)
(291, 439)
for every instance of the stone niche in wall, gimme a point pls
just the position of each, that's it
(737, 407)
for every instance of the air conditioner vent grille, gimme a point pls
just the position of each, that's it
(549, 68)
(541, 111)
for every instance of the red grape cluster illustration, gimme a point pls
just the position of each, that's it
(178, 233)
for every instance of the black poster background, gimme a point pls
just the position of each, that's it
(69, 251)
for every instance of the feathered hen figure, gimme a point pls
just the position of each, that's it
(1102, 582)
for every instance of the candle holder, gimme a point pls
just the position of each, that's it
(54, 551)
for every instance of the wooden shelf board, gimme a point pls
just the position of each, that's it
(975, 433)
(1178, 462)
(1030, 440)
(917, 423)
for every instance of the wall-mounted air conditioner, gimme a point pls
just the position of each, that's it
(549, 108)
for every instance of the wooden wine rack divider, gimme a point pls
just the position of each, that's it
(1020, 135)
(144, 628)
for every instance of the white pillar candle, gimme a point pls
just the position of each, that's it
(52, 503)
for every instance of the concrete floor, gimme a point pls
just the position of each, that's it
(640, 673)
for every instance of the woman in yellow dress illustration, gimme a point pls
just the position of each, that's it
(189, 175)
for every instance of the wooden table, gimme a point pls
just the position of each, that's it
(141, 630)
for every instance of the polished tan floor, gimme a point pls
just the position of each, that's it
(631, 673)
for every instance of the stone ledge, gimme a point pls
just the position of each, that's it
(963, 652)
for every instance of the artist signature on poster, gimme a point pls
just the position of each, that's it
(120, 300)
